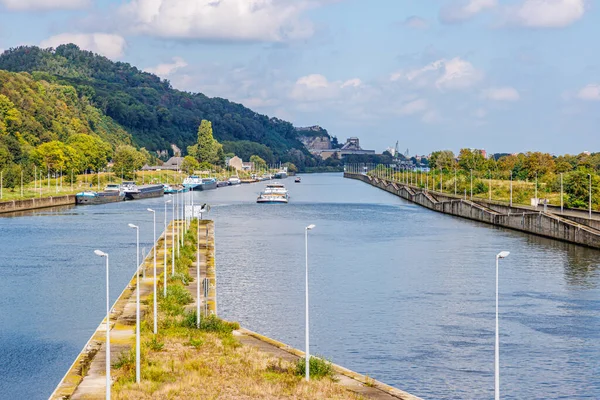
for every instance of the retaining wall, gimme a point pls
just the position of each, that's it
(31, 204)
(523, 219)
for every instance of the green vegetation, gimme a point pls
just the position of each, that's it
(153, 112)
(530, 172)
(319, 367)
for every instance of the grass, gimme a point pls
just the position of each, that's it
(319, 368)
(184, 362)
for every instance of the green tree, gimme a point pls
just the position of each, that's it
(127, 160)
(259, 163)
(55, 156)
(471, 160)
(442, 159)
(577, 188)
(11, 176)
(94, 153)
(190, 164)
(208, 148)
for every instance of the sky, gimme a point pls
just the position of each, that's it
(501, 75)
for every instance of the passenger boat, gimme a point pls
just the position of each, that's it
(234, 180)
(134, 192)
(111, 194)
(273, 193)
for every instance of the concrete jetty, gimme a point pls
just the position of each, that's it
(86, 377)
(571, 226)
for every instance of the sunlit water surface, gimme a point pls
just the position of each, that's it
(397, 292)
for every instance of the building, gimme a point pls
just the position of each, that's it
(236, 163)
(173, 164)
(351, 147)
(247, 166)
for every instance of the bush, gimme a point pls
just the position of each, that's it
(211, 323)
(319, 367)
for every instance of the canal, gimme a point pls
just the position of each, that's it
(398, 292)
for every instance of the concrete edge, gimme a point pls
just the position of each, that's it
(365, 380)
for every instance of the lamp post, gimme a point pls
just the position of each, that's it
(165, 248)
(198, 274)
(511, 189)
(137, 303)
(489, 185)
(536, 197)
(307, 355)
(455, 181)
(561, 194)
(155, 300)
(471, 185)
(590, 200)
(502, 254)
(173, 239)
(102, 254)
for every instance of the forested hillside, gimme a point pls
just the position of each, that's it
(153, 112)
(35, 114)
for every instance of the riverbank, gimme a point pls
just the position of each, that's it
(570, 228)
(219, 359)
(33, 204)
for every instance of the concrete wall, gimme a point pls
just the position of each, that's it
(522, 219)
(31, 204)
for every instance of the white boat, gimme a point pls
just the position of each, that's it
(274, 193)
(192, 182)
(234, 180)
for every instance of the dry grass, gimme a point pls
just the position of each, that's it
(208, 365)
(184, 362)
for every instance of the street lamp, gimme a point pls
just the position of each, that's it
(590, 200)
(502, 254)
(471, 185)
(562, 204)
(155, 300)
(165, 247)
(173, 239)
(511, 189)
(137, 303)
(102, 254)
(307, 355)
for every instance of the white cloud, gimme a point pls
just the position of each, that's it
(590, 92)
(414, 107)
(229, 20)
(167, 69)
(38, 5)
(109, 45)
(316, 87)
(465, 10)
(501, 94)
(415, 22)
(547, 13)
(453, 74)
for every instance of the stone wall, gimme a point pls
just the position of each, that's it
(523, 219)
(31, 204)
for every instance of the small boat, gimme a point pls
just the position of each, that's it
(170, 190)
(223, 183)
(192, 182)
(134, 192)
(273, 193)
(297, 180)
(112, 193)
(234, 180)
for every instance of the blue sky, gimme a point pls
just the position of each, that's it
(503, 75)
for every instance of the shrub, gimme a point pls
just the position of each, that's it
(319, 367)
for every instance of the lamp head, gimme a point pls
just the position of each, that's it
(168, 201)
(503, 254)
(133, 226)
(311, 226)
(100, 253)
(151, 210)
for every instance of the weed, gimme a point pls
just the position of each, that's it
(196, 343)
(319, 367)
(155, 345)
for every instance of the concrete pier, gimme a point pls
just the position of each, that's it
(570, 227)
(35, 203)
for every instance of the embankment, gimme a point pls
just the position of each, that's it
(35, 203)
(568, 228)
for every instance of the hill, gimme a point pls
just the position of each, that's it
(148, 107)
(34, 112)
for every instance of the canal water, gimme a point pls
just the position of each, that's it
(397, 292)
